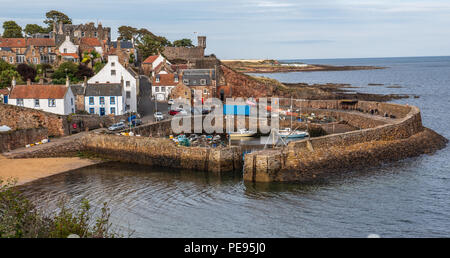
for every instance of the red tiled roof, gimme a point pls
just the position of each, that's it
(36, 91)
(74, 55)
(165, 80)
(150, 59)
(92, 42)
(13, 42)
(41, 42)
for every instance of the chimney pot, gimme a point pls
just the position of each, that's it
(28, 81)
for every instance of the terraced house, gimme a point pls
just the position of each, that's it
(57, 99)
(104, 99)
(28, 50)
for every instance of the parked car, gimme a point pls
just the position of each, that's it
(158, 116)
(173, 112)
(118, 126)
(170, 102)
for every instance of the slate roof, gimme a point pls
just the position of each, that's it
(104, 89)
(38, 91)
(195, 76)
(123, 44)
(77, 89)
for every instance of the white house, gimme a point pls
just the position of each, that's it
(162, 85)
(68, 50)
(113, 73)
(104, 99)
(152, 63)
(57, 99)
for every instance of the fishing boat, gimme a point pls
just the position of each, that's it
(242, 133)
(288, 133)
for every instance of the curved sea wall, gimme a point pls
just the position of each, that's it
(389, 132)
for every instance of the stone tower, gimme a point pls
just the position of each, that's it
(201, 41)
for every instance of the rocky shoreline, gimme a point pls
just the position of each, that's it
(273, 66)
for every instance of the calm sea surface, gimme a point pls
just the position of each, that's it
(410, 198)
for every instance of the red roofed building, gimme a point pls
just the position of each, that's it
(89, 44)
(162, 85)
(28, 50)
(58, 99)
(150, 64)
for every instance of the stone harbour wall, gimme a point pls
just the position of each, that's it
(22, 118)
(394, 139)
(162, 152)
(19, 138)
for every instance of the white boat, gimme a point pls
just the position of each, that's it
(288, 133)
(242, 133)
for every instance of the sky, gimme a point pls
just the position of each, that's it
(256, 29)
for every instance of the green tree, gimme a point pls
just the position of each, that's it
(90, 57)
(183, 43)
(65, 69)
(12, 30)
(150, 46)
(5, 65)
(34, 28)
(98, 66)
(54, 16)
(127, 32)
(6, 77)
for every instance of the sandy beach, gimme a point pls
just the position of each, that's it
(27, 170)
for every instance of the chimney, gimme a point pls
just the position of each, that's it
(60, 29)
(67, 81)
(41, 81)
(13, 82)
(28, 81)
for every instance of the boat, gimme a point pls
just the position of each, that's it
(242, 133)
(288, 133)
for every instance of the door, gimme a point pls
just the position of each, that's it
(102, 111)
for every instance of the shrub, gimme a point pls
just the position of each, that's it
(19, 218)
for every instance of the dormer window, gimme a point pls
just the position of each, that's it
(176, 78)
(157, 78)
(65, 50)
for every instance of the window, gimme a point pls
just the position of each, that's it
(35, 60)
(82, 34)
(128, 83)
(91, 110)
(20, 102)
(102, 100)
(156, 89)
(11, 59)
(112, 100)
(51, 102)
(113, 64)
(157, 78)
(128, 94)
(205, 91)
(186, 81)
(36, 102)
(95, 34)
(163, 89)
(65, 50)
(176, 78)
(127, 107)
(203, 81)
(113, 72)
(113, 110)
(71, 101)
(91, 100)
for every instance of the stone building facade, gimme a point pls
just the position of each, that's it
(186, 53)
(76, 32)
